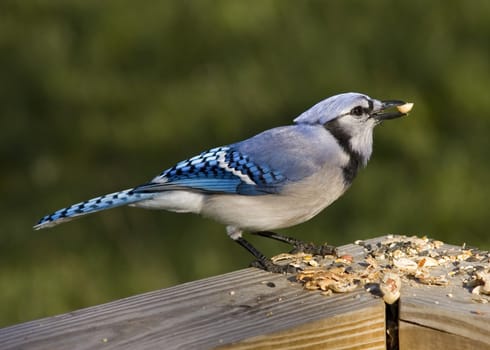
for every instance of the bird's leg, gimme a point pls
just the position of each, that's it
(300, 246)
(262, 261)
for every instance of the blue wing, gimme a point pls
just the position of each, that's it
(219, 170)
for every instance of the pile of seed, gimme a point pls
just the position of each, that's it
(383, 267)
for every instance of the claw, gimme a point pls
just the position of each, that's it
(269, 266)
(310, 248)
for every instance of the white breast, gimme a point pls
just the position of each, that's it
(298, 203)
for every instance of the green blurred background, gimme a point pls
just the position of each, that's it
(98, 96)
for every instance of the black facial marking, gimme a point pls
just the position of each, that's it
(358, 111)
(355, 159)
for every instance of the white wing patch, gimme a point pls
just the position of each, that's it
(224, 165)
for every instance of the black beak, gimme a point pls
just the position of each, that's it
(384, 112)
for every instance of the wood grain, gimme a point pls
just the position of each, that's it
(253, 309)
(431, 309)
(227, 309)
(417, 337)
(361, 329)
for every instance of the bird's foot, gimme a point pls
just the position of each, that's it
(300, 246)
(310, 248)
(268, 265)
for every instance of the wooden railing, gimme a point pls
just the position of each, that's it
(253, 309)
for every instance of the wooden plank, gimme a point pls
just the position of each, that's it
(434, 313)
(449, 316)
(362, 329)
(253, 309)
(249, 304)
(417, 337)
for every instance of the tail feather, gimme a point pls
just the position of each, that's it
(93, 205)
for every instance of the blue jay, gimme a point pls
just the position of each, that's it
(276, 179)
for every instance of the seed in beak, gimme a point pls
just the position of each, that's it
(407, 107)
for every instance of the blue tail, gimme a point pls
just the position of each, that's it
(93, 205)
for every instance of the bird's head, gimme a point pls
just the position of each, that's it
(351, 118)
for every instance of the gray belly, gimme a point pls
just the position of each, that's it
(296, 204)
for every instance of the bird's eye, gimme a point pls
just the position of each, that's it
(358, 111)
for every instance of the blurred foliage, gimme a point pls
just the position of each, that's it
(97, 96)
